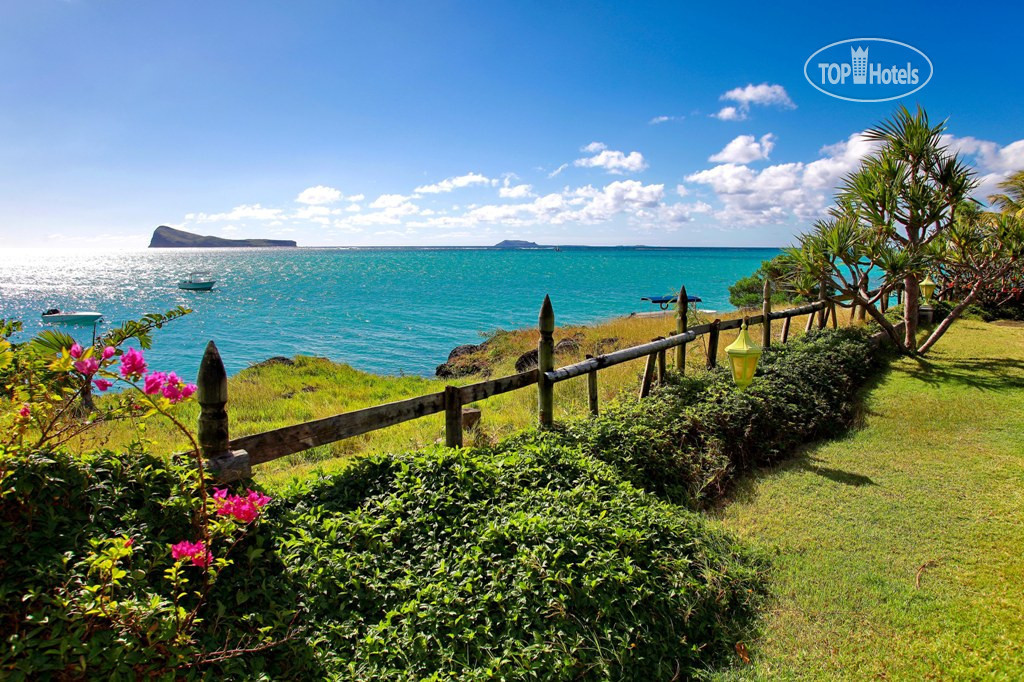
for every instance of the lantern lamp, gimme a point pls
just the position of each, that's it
(927, 289)
(743, 356)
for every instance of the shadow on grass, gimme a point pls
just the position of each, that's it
(986, 374)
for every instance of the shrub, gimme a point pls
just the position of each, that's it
(694, 433)
(534, 563)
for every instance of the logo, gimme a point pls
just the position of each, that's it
(868, 69)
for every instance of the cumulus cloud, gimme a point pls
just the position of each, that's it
(745, 149)
(782, 191)
(449, 184)
(390, 200)
(762, 95)
(664, 119)
(994, 162)
(614, 162)
(240, 213)
(321, 194)
(515, 191)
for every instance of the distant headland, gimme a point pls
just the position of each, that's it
(169, 238)
(517, 244)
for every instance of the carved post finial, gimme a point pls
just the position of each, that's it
(545, 363)
(214, 440)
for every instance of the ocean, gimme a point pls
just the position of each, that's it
(388, 311)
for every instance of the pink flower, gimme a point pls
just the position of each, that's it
(75, 351)
(108, 352)
(87, 366)
(153, 382)
(187, 391)
(245, 509)
(102, 384)
(195, 551)
(25, 412)
(133, 364)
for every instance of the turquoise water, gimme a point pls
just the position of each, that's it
(388, 311)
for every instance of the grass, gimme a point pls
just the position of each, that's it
(899, 550)
(268, 397)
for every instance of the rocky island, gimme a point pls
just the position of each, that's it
(170, 238)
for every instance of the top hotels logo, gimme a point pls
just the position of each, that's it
(868, 69)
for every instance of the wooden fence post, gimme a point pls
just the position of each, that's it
(546, 363)
(785, 328)
(766, 312)
(592, 389)
(645, 384)
(214, 441)
(661, 363)
(452, 417)
(822, 298)
(682, 304)
(713, 344)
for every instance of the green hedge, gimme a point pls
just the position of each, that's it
(690, 438)
(540, 563)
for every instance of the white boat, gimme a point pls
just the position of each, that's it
(71, 316)
(197, 281)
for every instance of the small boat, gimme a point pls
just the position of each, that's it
(71, 317)
(197, 281)
(665, 301)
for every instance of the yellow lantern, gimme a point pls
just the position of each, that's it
(743, 356)
(927, 289)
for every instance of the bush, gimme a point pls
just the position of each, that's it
(687, 442)
(748, 292)
(534, 563)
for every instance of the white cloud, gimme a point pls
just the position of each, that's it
(612, 161)
(594, 147)
(783, 191)
(994, 163)
(320, 194)
(510, 191)
(558, 170)
(450, 184)
(681, 190)
(389, 200)
(664, 119)
(353, 208)
(240, 213)
(762, 95)
(745, 149)
(730, 114)
(356, 197)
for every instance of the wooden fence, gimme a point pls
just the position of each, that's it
(233, 458)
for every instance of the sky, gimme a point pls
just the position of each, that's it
(463, 123)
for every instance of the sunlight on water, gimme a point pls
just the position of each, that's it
(386, 311)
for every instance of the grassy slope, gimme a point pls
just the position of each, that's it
(271, 397)
(934, 479)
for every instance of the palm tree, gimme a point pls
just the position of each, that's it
(1012, 200)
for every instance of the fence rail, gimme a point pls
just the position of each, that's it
(233, 458)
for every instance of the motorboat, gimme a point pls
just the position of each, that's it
(71, 316)
(197, 281)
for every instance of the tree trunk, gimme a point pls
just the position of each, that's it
(911, 305)
(951, 318)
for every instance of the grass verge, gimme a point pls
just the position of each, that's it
(899, 550)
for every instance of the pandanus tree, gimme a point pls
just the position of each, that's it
(905, 213)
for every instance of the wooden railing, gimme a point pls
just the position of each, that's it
(233, 458)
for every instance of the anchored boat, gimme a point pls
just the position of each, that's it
(71, 316)
(197, 281)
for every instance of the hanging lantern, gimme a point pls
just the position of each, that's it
(927, 289)
(743, 356)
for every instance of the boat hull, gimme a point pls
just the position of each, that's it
(196, 286)
(73, 318)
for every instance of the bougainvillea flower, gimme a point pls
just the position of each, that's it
(102, 384)
(194, 551)
(245, 509)
(133, 364)
(25, 410)
(89, 366)
(108, 352)
(153, 382)
(75, 351)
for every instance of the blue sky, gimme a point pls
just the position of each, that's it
(364, 123)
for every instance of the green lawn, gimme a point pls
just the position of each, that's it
(929, 489)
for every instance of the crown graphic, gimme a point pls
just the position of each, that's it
(859, 57)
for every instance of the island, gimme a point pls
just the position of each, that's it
(516, 244)
(170, 238)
